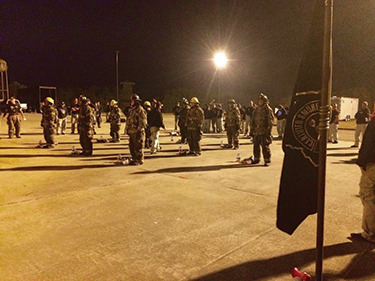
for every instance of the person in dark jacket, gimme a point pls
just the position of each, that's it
(248, 115)
(362, 117)
(98, 113)
(366, 162)
(74, 108)
(207, 118)
(156, 122)
(182, 121)
(281, 121)
(147, 107)
(176, 112)
(62, 115)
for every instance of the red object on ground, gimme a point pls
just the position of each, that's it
(303, 276)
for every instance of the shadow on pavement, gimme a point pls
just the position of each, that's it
(61, 168)
(343, 154)
(363, 264)
(67, 155)
(200, 168)
(351, 161)
(341, 148)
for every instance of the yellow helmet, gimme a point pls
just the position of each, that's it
(147, 103)
(113, 102)
(50, 100)
(194, 100)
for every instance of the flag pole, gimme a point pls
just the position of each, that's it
(323, 127)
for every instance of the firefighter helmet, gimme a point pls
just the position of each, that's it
(194, 100)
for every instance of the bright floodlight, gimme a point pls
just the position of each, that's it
(220, 60)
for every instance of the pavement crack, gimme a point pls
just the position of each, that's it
(238, 248)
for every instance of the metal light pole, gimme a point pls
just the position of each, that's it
(220, 61)
(117, 52)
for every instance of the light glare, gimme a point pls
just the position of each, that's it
(220, 60)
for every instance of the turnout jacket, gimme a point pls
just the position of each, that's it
(233, 118)
(86, 119)
(262, 120)
(366, 153)
(114, 115)
(195, 118)
(49, 117)
(137, 120)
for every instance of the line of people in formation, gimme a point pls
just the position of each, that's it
(191, 120)
(144, 121)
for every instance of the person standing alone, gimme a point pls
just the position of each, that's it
(49, 120)
(155, 118)
(362, 117)
(135, 128)
(62, 114)
(281, 121)
(233, 124)
(334, 125)
(261, 127)
(176, 112)
(194, 124)
(15, 114)
(366, 162)
(86, 126)
(75, 114)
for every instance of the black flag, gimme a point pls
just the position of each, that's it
(299, 179)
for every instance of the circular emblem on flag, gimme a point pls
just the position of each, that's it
(305, 126)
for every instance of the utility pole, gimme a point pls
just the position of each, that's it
(117, 53)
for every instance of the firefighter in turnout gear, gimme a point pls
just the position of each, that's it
(194, 123)
(114, 118)
(15, 115)
(86, 126)
(261, 127)
(232, 124)
(135, 126)
(49, 121)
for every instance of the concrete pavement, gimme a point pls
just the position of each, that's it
(65, 217)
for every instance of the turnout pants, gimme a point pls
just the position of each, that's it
(136, 143)
(263, 141)
(14, 125)
(194, 137)
(233, 136)
(115, 131)
(49, 135)
(85, 141)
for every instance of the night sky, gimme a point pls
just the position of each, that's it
(170, 44)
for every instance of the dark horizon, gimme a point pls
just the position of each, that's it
(170, 44)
